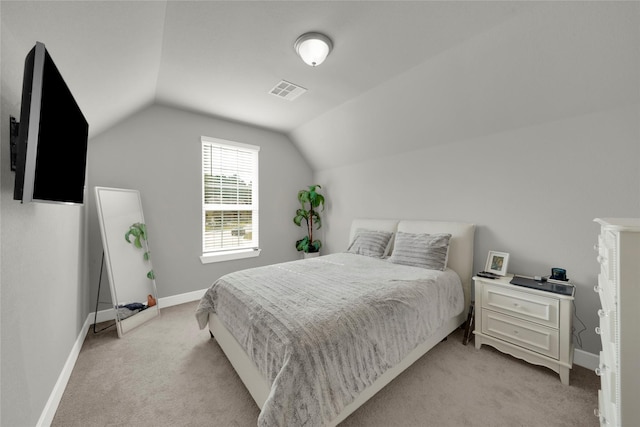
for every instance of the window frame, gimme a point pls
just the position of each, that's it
(237, 252)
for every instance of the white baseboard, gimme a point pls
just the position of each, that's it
(110, 313)
(58, 390)
(181, 299)
(51, 406)
(586, 360)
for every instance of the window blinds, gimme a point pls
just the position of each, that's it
(230, 195)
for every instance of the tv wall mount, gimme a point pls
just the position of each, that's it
(14, 132)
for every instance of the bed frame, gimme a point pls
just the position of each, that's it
(460, 259)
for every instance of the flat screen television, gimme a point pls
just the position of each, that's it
(51, 148)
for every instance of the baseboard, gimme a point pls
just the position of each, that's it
(110, 313)
(51, 406)
(181, 299)
(58, 390)
(586, 360)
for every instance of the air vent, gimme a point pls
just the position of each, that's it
(287, 90)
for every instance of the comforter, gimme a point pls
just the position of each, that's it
(323, 329)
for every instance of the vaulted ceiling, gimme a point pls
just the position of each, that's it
(221, 58)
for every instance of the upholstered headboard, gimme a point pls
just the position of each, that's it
(460, 246)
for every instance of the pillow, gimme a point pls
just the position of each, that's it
(421, 250)
(371, 243)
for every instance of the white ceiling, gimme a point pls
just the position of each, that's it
(223, 57)
(403, 75)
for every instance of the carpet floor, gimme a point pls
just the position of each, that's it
(168, 372)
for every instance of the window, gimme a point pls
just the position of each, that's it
(229, 200)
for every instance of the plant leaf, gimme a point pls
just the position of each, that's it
(303, 244)
(143, 230)
(303, 197)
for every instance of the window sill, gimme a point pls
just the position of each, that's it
(229, 256)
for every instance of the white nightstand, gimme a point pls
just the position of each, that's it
(529, 324)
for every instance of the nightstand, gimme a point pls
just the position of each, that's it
(530, 324)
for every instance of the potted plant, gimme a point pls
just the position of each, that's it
(310, 200)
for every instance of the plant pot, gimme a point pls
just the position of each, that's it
(311, 254)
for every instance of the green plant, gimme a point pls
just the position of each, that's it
(139, 232)
(310, 200)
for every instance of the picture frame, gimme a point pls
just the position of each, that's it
(497, 263)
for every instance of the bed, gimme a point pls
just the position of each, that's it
(314, 339)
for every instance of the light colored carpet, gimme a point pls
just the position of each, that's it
(169, 373)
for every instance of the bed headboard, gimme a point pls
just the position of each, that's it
(460, 246)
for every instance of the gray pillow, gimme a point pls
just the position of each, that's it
(371, 243)
(421, 250)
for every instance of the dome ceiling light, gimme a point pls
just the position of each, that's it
(313, 48)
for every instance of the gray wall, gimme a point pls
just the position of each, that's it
(532, 192)
(158, 152)
(45, 294)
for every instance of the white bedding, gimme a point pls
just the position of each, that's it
(323, 329)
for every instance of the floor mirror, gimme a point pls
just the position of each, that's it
(127, 257)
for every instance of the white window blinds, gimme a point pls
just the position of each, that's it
(229, 196)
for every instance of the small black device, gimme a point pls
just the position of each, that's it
(559, 274)
(488, 275)
(557, 288)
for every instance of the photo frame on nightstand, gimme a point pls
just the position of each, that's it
(497, 263)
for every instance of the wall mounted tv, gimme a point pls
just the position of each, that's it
(51, 146)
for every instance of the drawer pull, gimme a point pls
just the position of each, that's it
(600, 370)
(598, 330)
(602, 313)
(600, 259)
(603, 420)
(597, 289)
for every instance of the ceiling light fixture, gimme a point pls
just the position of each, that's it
(313, 48)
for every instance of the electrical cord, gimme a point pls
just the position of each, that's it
(584, 327)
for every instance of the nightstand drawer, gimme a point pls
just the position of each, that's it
(529, 335)
(524, 305)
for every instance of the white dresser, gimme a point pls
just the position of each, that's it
(619, 290)
(530, 324)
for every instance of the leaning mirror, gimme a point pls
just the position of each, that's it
(127, 257)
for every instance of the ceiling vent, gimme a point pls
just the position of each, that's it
(287, 90)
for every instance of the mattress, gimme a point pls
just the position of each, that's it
(321, 330)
